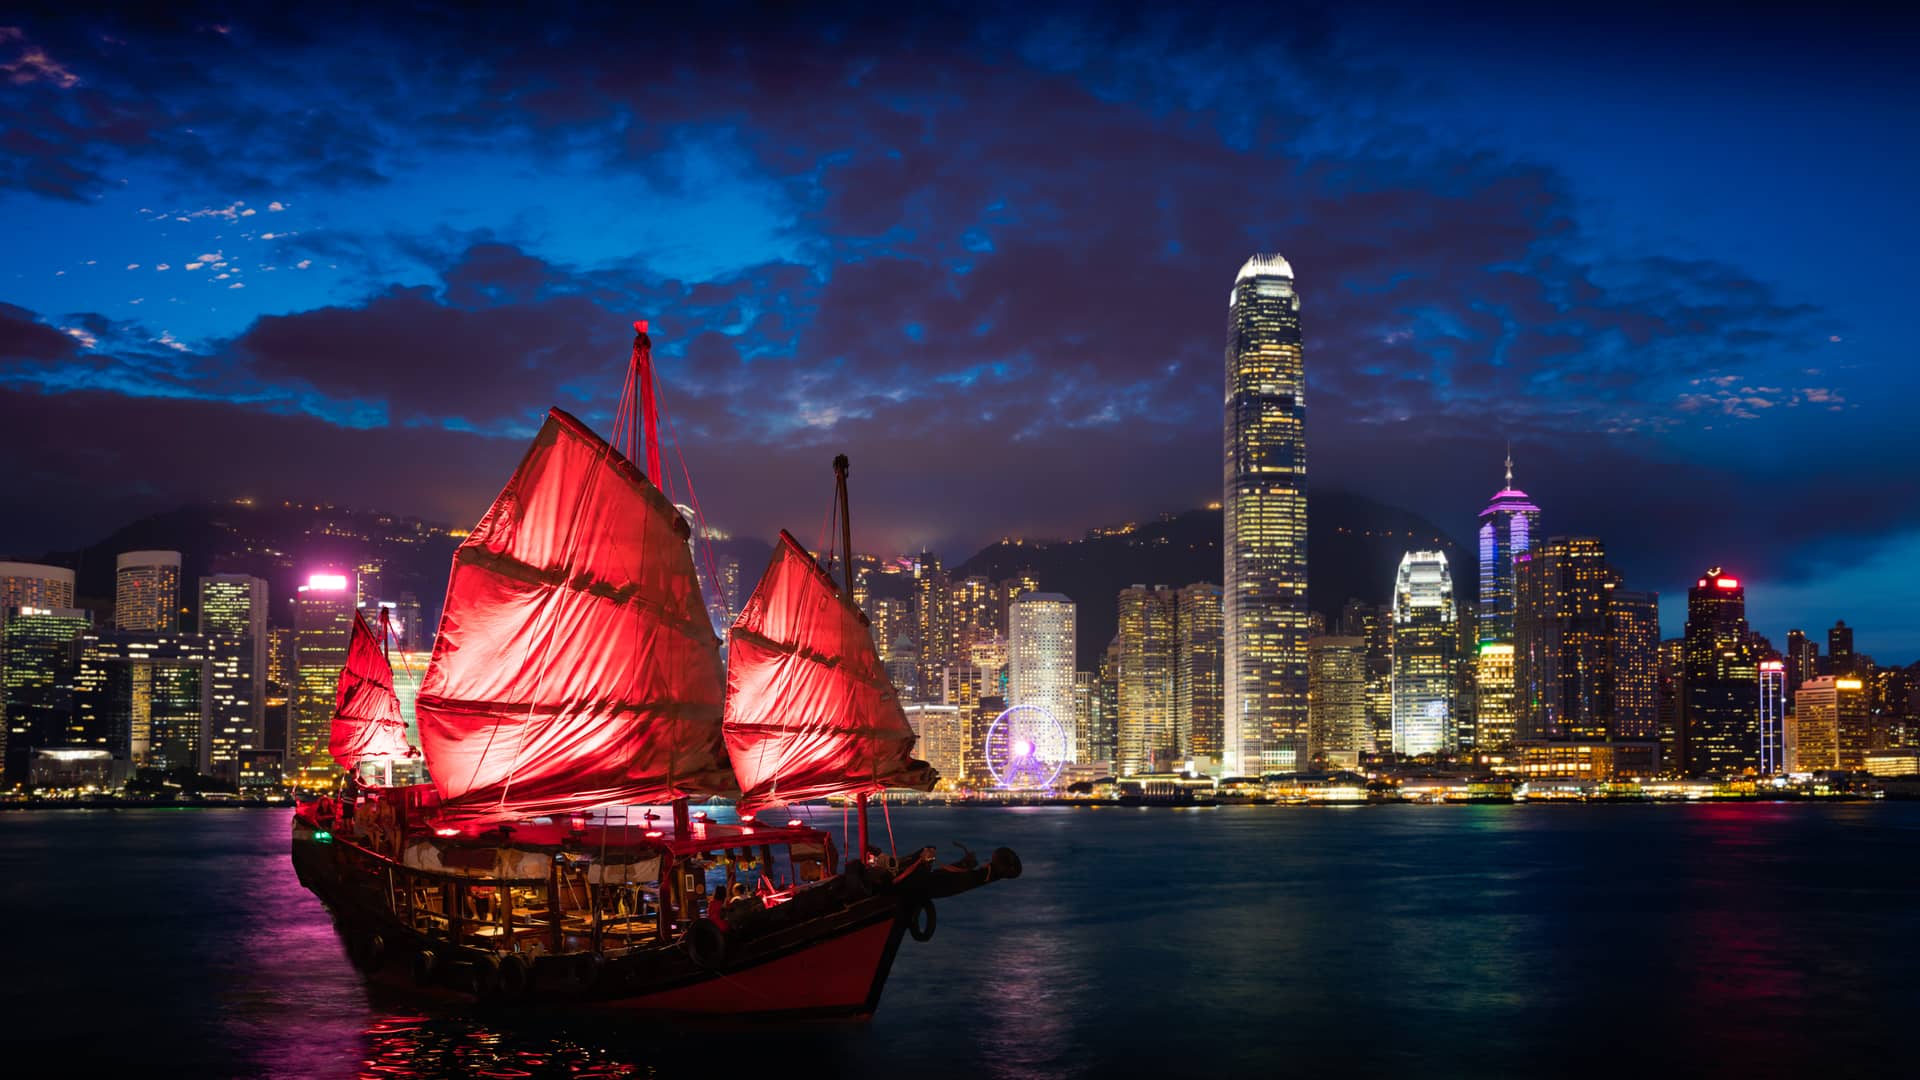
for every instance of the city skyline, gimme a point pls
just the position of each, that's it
(1473, 276)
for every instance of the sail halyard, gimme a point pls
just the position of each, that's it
(810, 711)
(367, 721)
(575, 666)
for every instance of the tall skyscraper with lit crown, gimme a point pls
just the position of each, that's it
(1508, 527)
(1426, 636)
(1719, 680)
(1265, 596)
(323, 614)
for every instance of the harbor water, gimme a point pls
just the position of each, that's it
(1748, 939)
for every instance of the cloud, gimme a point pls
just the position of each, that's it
(1001, 252)
(24, 337)
(31, 64)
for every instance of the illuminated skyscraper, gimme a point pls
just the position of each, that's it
(1508, 527)
(1803, 661)
(1199, 698)
(976, 614)
(1375, 624)
(1337, 699)
(146, 591)
(1773, 718)
(1719, 680)
(1840, 656)
(1673, 743)
(933, 624)
(1041, 644)
(1265, 599)
(1633, 632)
(34, 585)
(1092, 725)
(1813, 731)
(36, 702)
(1562, 674)
(322, 627)
(1107, 678)
(233, 630)
(1425, 648)
(29, 585)
(891, 619)
(1856, 730)
(943, 732)
(1146, 679)
(1496, 714)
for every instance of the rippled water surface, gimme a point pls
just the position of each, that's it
(1740, 939)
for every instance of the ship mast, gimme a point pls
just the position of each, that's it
(846, 590)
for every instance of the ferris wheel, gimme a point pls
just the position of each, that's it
(1026, 748)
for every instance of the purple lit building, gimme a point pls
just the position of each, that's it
(1507, 528)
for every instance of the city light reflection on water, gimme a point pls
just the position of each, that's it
(1445, 940)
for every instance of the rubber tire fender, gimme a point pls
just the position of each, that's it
(483, 976)
(367, 949)
(426, 967)
(922, 919)
(586, 971)
(516, 976)
(1005, 865)
(707, 943)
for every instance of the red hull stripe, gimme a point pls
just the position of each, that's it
(836, 974)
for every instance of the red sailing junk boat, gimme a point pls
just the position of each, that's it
(575, 676)
(367, 723)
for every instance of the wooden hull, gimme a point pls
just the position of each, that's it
(832, 965)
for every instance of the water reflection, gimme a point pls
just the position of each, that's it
(1723, 939)
(406, 1047)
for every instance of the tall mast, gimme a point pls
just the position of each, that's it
(846, 590)
(846, 524)
(649, 408)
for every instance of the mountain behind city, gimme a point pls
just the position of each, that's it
(1355, 544)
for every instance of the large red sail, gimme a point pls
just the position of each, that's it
(366, 714)
(575, 666)
(810, 711)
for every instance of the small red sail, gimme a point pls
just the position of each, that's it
(575, 666)
(367, 722)
(810, 711)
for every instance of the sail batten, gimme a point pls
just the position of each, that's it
(367, 722)
(575, 666)
(810, 711)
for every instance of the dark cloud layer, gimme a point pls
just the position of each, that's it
(1009, 246)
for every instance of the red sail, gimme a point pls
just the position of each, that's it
(366, 714)
(575, 665)
(809, 709)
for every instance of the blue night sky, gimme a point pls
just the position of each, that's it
(313, 253)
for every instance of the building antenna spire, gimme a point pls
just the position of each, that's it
(1509, 464)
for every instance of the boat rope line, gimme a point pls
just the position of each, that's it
(888, 815)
